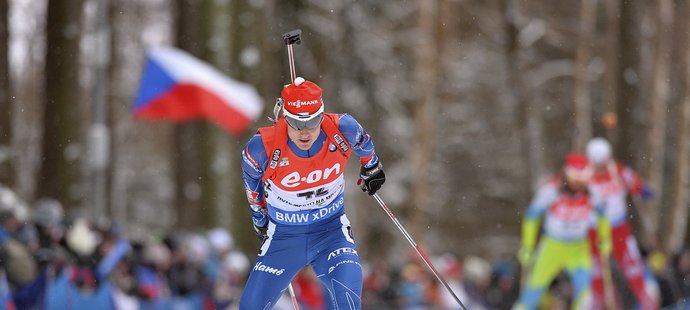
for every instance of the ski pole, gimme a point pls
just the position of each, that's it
(418, 249)
(290, 38)
(293, 297)
(609, 293)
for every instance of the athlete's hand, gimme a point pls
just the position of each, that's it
(524, 256)
(371, 179)
(261, 232)
(259, 221)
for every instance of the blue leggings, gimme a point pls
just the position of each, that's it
(330, 250)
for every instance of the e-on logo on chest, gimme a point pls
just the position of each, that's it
(294, 179)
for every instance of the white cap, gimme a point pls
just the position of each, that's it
(598, 151)
(236, 262)
(81, 239)
(156, 253)
(220, 239)
(196, 248)
(11, 204)
(48, 212)
(476, 270)
(298, 81)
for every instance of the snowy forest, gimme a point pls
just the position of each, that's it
(471, 105)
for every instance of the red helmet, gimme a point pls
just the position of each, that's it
(576, 167)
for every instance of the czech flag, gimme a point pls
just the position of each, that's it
(176, 86)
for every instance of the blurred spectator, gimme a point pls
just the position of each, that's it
(19, 270)
(234, 272)
(412, 286)
(48, 213)
(476, 280)
(81, 241)
(93, 266)
(505, 287)
(17, 262)
(379, 286)
(110, 255)
(9, 201)
(237, 264)
(111, 250)
(152, 286)
(79, 285)
(188, 283)
(681, 275)
(433, 293)
(221, 243)
(225, 268)
(662, 276)
(451, 269)
(47, 218)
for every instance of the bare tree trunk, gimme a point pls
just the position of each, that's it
(6, 150)
(115, 185)
(62, 143)
(426, 71)
(676, 227)
(217, 153)
(188, 177)
(187, 151)
(529, 116)
(213, 183)
(583, 102)
(243, 38)
(99, 131)
(27, 106)
(443, 23)
(628, 88)
(214, 153)
(659, 104)
(612, 50)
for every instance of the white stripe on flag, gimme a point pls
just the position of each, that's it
(185, 68)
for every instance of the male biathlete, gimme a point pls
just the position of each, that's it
(294, 178)
(615, 182)
(569, 209)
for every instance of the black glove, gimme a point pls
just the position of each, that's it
(261, 232)
(371, 179)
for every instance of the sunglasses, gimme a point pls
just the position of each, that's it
(299, 122)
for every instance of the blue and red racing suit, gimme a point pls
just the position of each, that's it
(300, 195)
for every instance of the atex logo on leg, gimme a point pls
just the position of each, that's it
(342, 251)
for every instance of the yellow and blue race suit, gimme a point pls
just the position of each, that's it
(564, 244)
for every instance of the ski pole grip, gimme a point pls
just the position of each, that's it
(293, 37)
